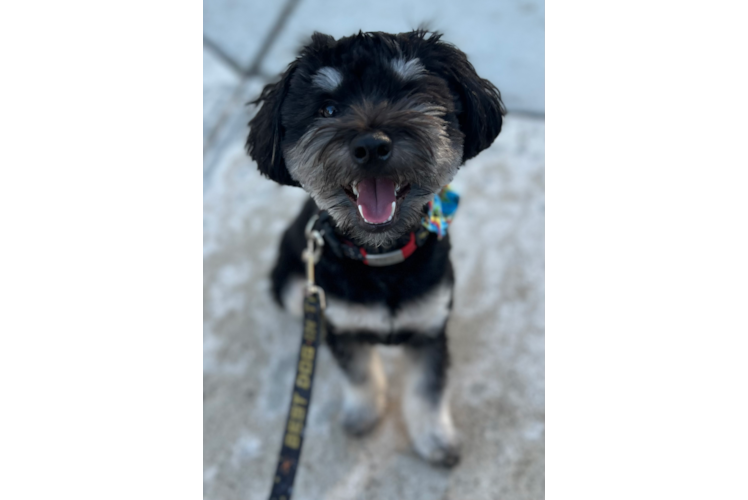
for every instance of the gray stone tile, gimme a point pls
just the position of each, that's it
(219, 84)
(239, 27)
(227, 139)
(497, 340)
(504, 40)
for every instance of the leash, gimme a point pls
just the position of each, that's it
(314, 328)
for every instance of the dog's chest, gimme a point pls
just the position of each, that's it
(414, 297)
(424, 315)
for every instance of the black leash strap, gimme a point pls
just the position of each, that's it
(293, 435)
(314, 329)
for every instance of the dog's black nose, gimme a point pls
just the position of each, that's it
(370, 147)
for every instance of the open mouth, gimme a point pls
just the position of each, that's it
(377, 199)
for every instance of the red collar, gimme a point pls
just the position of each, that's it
(390, 258)
(344, 248)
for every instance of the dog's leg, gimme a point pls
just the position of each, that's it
(292, 295)
(365, 395)
(425, 402)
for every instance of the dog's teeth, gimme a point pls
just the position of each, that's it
(397, 188)
(361, 211)
(354, 188)
(392, 214)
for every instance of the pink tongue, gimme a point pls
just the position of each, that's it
(375, 197)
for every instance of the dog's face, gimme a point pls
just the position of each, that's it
(372, 126)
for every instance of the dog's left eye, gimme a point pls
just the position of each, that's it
(328, 111)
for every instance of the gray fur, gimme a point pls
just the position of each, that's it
(427, 160)
(328, 79)
(407, 70)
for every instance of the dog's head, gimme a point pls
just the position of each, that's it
(372, 126)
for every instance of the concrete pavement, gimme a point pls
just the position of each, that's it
(497, 329)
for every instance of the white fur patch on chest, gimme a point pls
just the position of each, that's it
(425, 314)
(351, 317)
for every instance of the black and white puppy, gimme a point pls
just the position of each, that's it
(372, 126)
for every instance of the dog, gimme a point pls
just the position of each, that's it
(373, 127)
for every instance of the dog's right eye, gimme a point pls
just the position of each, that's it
(328, 111)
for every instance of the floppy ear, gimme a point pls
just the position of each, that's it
(481, 115)
(266, 131)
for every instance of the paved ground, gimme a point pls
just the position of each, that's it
(497, 329)
(505, 40)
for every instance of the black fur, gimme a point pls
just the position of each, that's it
(284, 116)
(480, 109)
(432, 353)
(392, 285)
(437, 113)
(266, 131)
(355, 282)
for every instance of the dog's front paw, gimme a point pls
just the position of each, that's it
(437, 444)
(431, 429)
(363, 408)
(359, 420)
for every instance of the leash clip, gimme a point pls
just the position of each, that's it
(313, 330)
(311, 255)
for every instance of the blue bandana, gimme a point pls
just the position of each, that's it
(441, 211)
